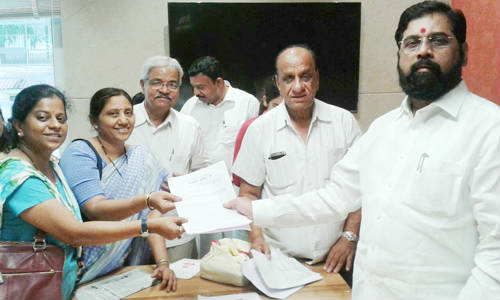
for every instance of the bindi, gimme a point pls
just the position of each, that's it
(422, 30)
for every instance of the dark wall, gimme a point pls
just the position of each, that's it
(246, 37)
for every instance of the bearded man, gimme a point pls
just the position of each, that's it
(426, 175)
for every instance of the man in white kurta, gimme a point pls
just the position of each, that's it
(174, 138)
(221, 110)
(426, 174)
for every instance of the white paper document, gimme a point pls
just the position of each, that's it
(186, 268)
(243, 296)
(116, 287)
(249, 270)
(203, 192)
(282, 271)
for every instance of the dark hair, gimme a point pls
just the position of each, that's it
(138, 98)
(206, 65)
(455, 16)
(4, 137)
(26, 100)
(303, 46)
(268, 89)
(101, 97)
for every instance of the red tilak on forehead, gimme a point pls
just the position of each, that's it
(422, 30)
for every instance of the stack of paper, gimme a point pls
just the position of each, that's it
(203, 192)
(278, 277)
(116, 287)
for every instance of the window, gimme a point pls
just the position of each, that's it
(28, 30)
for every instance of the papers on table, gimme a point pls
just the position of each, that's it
(282, 271)
(203, 192)
(243, 296)
(186, 268)
(278, 277)
(116, 287)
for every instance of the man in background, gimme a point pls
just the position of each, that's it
(221, 110)
(174, 138)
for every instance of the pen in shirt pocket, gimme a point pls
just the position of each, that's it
(276, 155)
(171, 155)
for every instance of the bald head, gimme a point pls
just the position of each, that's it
(294, 50)
(297, 78)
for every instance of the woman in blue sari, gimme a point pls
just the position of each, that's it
(115, 181)
(35, 195)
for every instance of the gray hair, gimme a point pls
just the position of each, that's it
(161, 61)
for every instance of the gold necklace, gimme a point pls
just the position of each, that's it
(106, 154)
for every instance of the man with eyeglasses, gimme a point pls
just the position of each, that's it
(427, 176)
(173, 137)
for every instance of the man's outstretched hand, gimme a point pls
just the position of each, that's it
(242, 205)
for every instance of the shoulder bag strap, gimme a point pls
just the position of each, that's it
(99, 160)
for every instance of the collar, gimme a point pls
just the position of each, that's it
(450, 103)
(142, 117)
(320, 114)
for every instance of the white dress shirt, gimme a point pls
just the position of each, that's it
(176, 143)
(429, 187)
(305, 166)
(220, 123)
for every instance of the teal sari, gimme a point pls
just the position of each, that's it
(13, 174)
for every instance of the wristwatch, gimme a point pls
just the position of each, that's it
(144, 228)
(350, 236)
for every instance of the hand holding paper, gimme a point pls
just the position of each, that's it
(203, 192)
(242, 205)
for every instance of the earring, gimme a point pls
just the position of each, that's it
(19, 134)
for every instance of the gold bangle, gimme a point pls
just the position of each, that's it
(147, 201)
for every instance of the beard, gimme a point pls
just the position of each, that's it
(431, 85)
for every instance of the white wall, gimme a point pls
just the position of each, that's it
(106, 41)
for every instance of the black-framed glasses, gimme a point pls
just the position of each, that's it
(437, 41)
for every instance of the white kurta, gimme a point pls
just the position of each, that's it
(305, 166)
(429, 188)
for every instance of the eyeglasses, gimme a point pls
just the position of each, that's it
(158, 84)
(413, 44)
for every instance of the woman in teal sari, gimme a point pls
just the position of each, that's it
(115, 181)
(34, 193)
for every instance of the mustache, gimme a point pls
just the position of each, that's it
(425, 62)
(163, 96)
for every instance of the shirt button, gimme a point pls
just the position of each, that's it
(379, 217)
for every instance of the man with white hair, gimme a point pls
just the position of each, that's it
(174, 138)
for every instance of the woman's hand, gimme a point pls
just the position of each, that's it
(167, 277)
(163, 201)
(168, 227)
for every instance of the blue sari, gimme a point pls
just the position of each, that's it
(136, 173)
